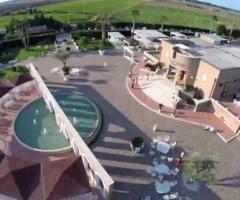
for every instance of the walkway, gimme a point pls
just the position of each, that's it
(124, 118)
(201, 118)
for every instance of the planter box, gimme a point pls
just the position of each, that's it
(136, 149)
(101, 52)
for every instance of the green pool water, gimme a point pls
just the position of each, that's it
(36, 127)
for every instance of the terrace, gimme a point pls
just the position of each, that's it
(123, 121)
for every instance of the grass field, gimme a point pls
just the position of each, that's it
(86, 10)
(86, 44)
(12, 72)
(19, 53)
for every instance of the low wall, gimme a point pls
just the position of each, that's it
(230, 119)
(202, 105)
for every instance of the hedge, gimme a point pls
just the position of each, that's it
(34, 39)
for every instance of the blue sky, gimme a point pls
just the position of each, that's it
(235, 4)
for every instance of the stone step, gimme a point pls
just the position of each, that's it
(160, 91)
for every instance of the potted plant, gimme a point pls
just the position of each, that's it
(160, 107)
(66, 71)
(101, 52)
(137, 144)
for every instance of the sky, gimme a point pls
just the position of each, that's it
(234, 4)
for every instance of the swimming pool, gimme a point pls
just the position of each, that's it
(36, 128)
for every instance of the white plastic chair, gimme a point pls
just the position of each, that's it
(166, 197)
(151, 153)
(163, 157)
(155, 140)
(173, 144)
(155, 162)
(182, 154)
(153, 145)
(174, 195)
(160, 177)
(166, 138)
(169, 159)
(173, 183)
(174, 172)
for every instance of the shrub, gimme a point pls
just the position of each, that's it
(189, 87)
(190, 101)
(198, 94)
(221, 29)
(137, 142)
(66, 70)
(200, 170)
(14, 68)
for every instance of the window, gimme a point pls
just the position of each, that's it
(204, 77)
(220, 84)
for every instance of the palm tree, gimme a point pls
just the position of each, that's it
(103, 20)
(135, 13)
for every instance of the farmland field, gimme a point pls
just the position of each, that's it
(158, 11)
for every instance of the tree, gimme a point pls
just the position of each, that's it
(221, 29)
(163, 19)
(135, 13)
(103, 20)
(214, 20)
(200, 170)
(63, 56)
(22, 30)
(19, 28)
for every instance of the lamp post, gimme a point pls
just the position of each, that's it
(131, 70)
(176, 100)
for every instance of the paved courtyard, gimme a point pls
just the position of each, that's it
(124, 118)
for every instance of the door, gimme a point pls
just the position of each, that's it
(225, 89)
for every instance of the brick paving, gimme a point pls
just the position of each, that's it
(124, 118)
(202, 118)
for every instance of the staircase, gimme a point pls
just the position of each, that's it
(160, 90)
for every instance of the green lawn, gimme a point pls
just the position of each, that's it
(12, 72)
(86, 10)
(86, 44)
(22, 54)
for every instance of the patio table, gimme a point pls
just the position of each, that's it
(163, 188)
(162, 169)
(163, 147)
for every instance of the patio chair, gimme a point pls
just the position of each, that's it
(155, 127)
(173, 183)
(155, 162)
(160, 177)
(174, 195)
(153, 174)
(174, 171)
(169, 159)
(156, 140)
(163, 157)
(147, 198)
(182, 154)
(151, 153)
(166, 197)
(153, 145)
(173, 145)
(166, 138)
